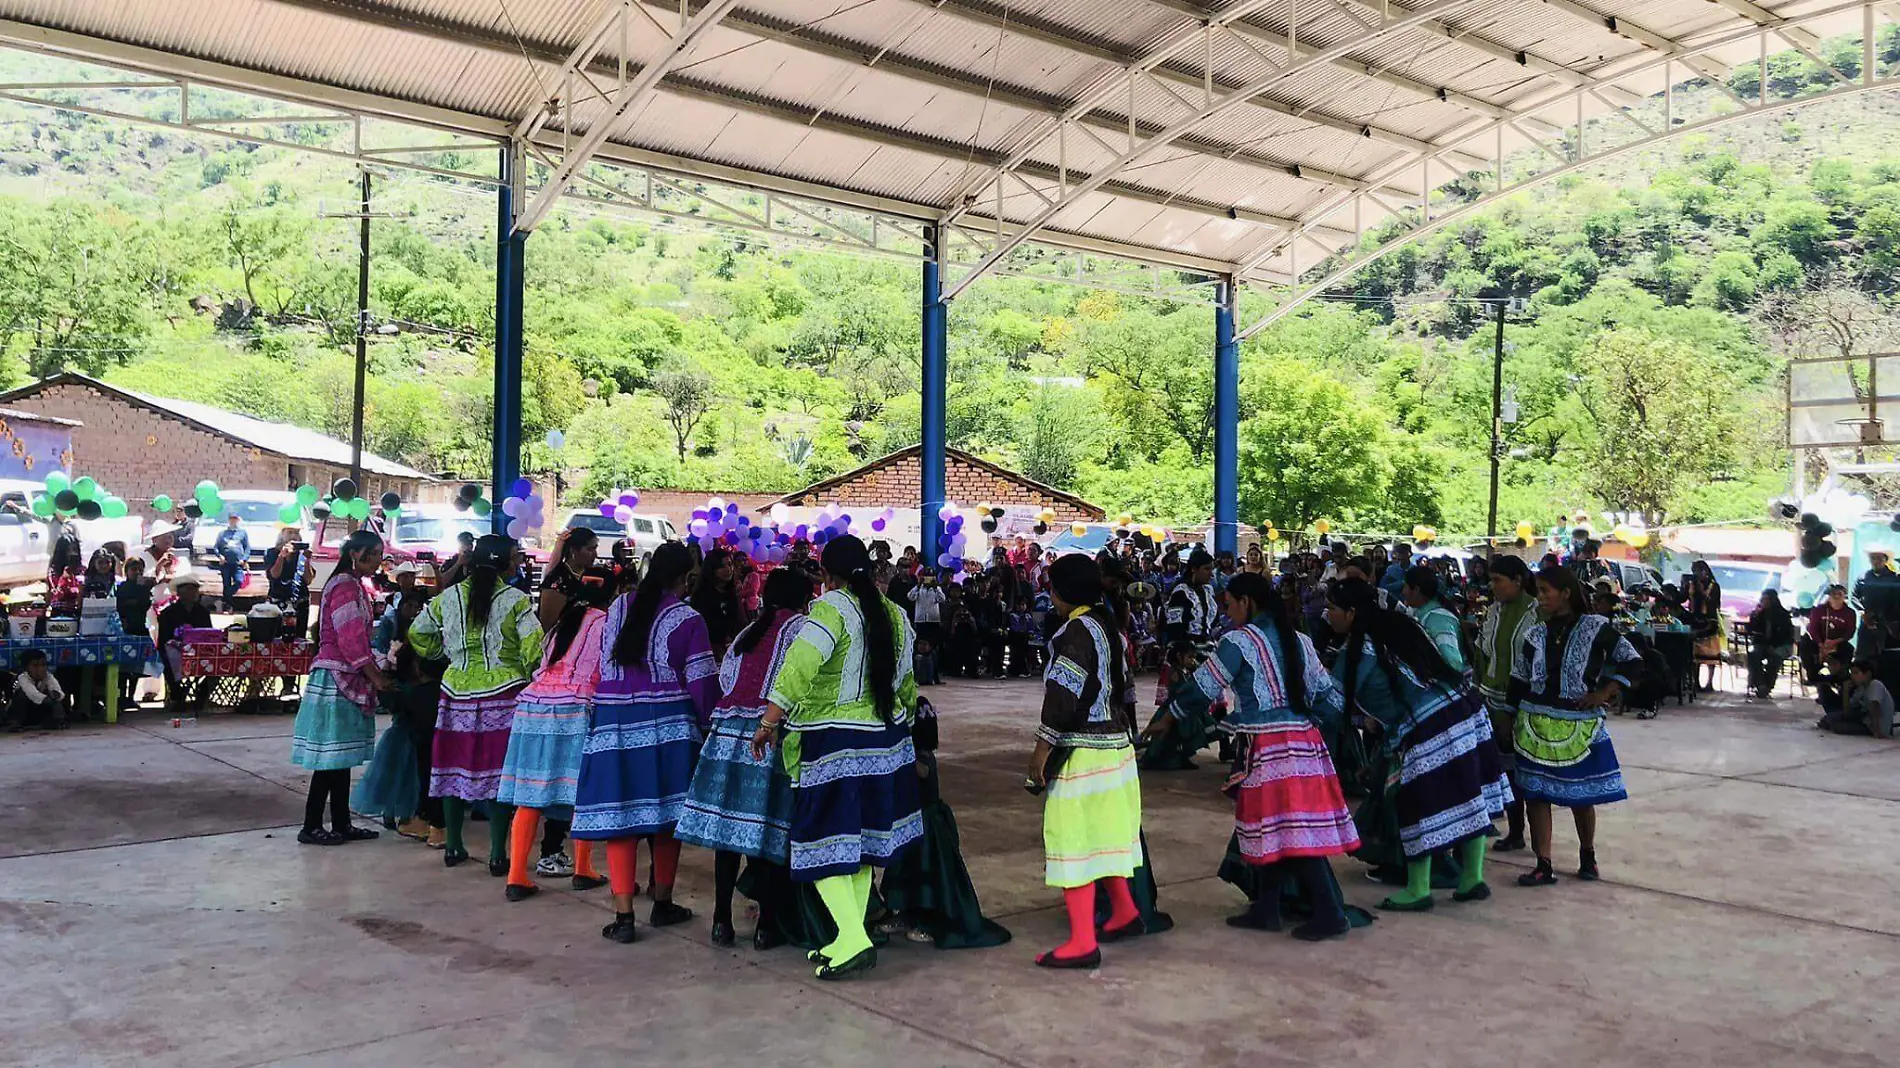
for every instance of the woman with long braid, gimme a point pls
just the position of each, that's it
(336, 721)
(845, 695)
(487, 631)
(741, 805)
(658, 684)
(542, 770)
(1085, 760)
(1290, 814)
(1450, 784)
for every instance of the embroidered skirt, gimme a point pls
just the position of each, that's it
(1287, 800)
(1091, 818)
(636, 767)
(1450, 785)
(543, 765)
(471, 742)
(738, 803)
(854, 799)
(331, 731)
(1566, 762)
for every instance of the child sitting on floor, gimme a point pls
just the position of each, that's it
(37, 699)
(1175, 734)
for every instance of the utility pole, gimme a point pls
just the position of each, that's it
(1497, 430)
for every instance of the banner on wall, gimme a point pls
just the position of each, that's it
(29, 448)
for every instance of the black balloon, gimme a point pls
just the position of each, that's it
(1811, 558)
(1821, 530)
(343, 489)
(193, 511)
(1826, 549)
(469, 491)
(89, 510)
(392, 501)
(1809, 519)
(996, 513)
(1042, 528)
(461, 504)
(989, 526)
(321, 510)
(66, 500)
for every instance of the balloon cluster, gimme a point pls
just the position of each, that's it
(84, 498)
(953, 541)
(1423, 534)
(1634, 535)
(721, 523)
(1273, 533)
(526, 510)
(1043, 519)
(346, 503)
(1526, 533)
(470, 499)
(989, 514)
(619, 505)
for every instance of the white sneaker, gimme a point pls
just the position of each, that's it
(558, 866)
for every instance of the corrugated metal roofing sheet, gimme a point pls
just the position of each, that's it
(916, 100)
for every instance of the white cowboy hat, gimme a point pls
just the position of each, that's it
(160, 528)
(179, 582)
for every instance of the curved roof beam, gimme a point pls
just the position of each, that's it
(1117, 87)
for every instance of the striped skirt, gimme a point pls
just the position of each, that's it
(471, 742)
(738, 803)
(1450, 783)
(1091, 818)
(1566, 762)
(636, 767)
(543, 765)
(1287, 800)
(854, 799)
(331, 731)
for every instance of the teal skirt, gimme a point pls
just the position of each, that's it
(332, 732)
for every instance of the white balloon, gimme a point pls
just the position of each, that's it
(780, 513)
(623, 515)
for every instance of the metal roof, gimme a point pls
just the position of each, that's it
(1258, 138)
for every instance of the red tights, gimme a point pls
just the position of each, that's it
(623, 864)
(1081, 904)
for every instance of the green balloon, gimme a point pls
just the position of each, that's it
(161, 504)
(205, 489)
(43, 506)
(481, 507)
(213, 506)
(57, 481)
(290, 513)
(87, 488)
(307, 495)
(113, 508)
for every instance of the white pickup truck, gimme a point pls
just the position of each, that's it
(26, 546)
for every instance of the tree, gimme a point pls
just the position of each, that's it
(258, 237)
(1664, 418)
(71, 288)
(1310, 450)
(688, 393)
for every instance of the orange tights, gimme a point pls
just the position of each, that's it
(623, 862)
(521, 834)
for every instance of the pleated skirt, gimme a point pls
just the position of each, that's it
(331, 731)
(854, 800)
(636, 767)
(1091, 818)
(737, 802)
(471, 743)
(1287, 800)
(1566, 762)
(543, 766)
(1451, 785)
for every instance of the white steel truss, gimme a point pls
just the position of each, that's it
(1117, 88)
(1595, 132)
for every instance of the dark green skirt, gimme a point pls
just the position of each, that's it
(1147, 895)
(1174, 751)
(930, 886)
(1235, 871)
(803, 918)
(1377, 821)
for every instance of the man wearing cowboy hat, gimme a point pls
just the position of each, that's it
(161, 563)
(186, 609)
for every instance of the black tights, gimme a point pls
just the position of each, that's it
(332, 786)
(772, 884)
(1314, 876)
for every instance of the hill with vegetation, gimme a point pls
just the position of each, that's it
(1664, 290)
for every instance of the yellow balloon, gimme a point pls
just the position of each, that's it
(1637, 538)
(1322, 527)
(1078, 529)
(1273, 534)
(1124, 520)
(1620, 532)
(1525, 530)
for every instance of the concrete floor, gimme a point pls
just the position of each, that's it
(155, 910)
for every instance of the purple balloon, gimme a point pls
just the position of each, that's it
(877, 524)
(516, 528)
(732, 537)
(946, 560)
(955, 524)
(699, 513)
(522, 488)
(821, 537)
(510, 506)
(630, 499)
(800, 531)
(607, 508)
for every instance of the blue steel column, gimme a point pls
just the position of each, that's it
(1226, 421)
(936, 384)
(510, 278)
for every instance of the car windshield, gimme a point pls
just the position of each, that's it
(437, 529)
(595, 522)
(249, 511)
(1744, 579)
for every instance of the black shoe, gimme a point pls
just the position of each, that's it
(722, 934)
(1480, 892)
(851, 969)
(452, 857)
(1315, 931)
(1541, 875)
(623, 930)
(358, 834)
(319, 838)
(1508, 844)
(498, 869)
(767, 937)
(666, 914)
(1093, 959)
(1158, 922)
(1252, 922)
(1587, 866)
(1132, 929)
(588, 882)
(522, 893)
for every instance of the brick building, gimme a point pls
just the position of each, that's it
(896, 481)
(139, 446)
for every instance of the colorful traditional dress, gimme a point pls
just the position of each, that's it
(854, 778)
(1505, 628)
(1441, 625)
(737, 802)
(543, 765)
(648, 722)
(336, 721)
(1446, 784)
(1564, 755)
(1287, 800)
(1091, 815)
(488, 667)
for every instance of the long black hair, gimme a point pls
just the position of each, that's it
(1566, 581)
(670, 563)
(848, 561)
(592, 596)
(1396, 639)
(572, 538)
(493, 552)
(786, 591)
(347, 554)
(1258, 588)
(1080, 582)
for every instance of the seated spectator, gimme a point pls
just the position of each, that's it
(1771, 642)
(37, 699)
(1830, 687)
(1829, 624)
(1867, 708)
